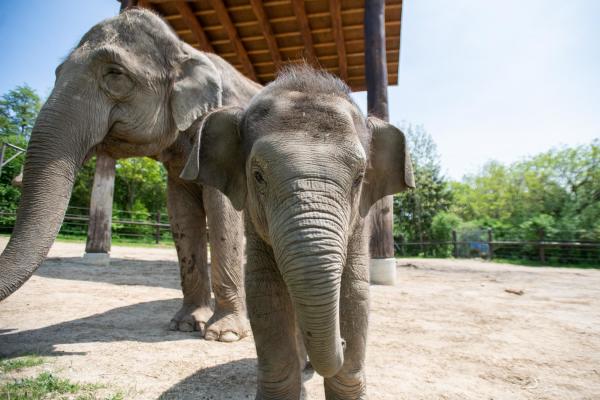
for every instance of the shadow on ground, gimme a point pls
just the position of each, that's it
(142, 322)
(233, 380)
(159, 273)
(228, 381)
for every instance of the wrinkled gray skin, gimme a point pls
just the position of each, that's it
(306, 166)
(132, 88)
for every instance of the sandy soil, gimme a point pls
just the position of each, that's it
(448, 330)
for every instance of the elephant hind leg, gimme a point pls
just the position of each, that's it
(188, 225)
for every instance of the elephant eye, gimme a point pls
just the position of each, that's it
(116, 82)
(114, 71)
(357, 181)
(258, 177)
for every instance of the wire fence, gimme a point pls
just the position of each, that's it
(127, 226)
(146, 227)
(485, 246)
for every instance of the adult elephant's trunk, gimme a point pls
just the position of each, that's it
(58, 146)
(310, 247)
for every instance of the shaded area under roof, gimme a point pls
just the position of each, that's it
(257, 36)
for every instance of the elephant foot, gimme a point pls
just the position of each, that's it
(191, 317)
(227, 326)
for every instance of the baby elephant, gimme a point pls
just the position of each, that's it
(305, 165)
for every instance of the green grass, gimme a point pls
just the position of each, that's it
(48, 386)
(19, 363)
(38, 387)
(115, 241)
(45, 385)
(118, 242)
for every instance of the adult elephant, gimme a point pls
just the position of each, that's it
(131, 88)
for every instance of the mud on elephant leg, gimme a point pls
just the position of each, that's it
(349, 382)
(226, 235)
(188, 225)
(273, 325)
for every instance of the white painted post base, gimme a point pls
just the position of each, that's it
(101, 259)
(383, 271)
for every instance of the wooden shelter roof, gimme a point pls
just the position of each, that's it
(257, 36)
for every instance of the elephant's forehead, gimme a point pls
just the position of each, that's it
(293, 150)
(328, 117)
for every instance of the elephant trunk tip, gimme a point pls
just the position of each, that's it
(331, 366)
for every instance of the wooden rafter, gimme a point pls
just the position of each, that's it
(265, 26)
(257, 36)
(225, 20)
(194, 25)
(335, 8)
(302, 19)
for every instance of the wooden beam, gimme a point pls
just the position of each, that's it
(225, 20)
(382, 212)
(144, 4)
(194, 25)
(335, 8)
(265, 26)
(101, 203)
(302, 20)
(125, 4)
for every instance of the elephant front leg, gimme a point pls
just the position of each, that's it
(350, 382)
(226, 234)
(273, 326)
(188, 225)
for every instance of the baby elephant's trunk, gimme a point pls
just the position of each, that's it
(309, 247)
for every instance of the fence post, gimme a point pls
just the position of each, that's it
(541, 245)
(157, 227)
(454, 245)
(2, 156)
(490, 244)
(402, 250)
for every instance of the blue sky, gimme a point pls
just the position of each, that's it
(487, 79)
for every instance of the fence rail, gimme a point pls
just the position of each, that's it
(154, 228)
(146, 227)
(551, 251)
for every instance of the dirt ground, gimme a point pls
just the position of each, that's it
(448, 330)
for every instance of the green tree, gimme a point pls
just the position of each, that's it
(18, 111)
(557, 191)
(140, 185)
(416, 209)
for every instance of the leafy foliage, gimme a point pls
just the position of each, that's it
(18, 110)
(415, 210)
(556, 193)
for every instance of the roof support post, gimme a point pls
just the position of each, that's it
(100, 220)
(125, 4)
(101, 204)
(381, 243)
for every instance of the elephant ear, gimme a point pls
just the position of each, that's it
(197, 89)
(217, 158)
(390, 169)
